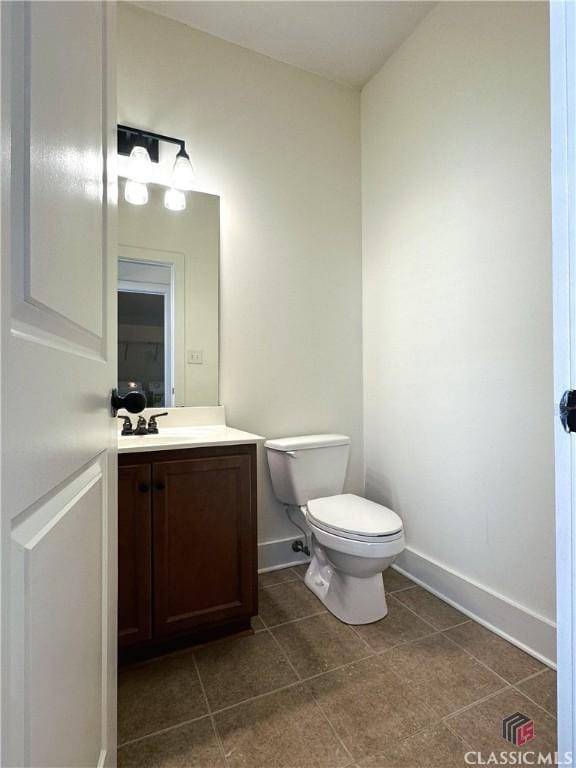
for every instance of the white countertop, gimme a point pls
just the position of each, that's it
(172, 438)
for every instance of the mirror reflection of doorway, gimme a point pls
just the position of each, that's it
(145, 331)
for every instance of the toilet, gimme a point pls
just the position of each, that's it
(353, 540)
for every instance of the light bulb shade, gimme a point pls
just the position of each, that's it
(136, 193)
(140, 165)
(183, 172)
(174, 200)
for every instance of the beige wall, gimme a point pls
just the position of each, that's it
(457, 296)
(282, 149)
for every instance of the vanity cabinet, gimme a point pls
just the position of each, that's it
(187, 544)
(134, 554)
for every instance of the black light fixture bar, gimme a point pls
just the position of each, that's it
(128, 138)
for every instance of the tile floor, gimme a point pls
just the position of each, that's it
(417, 689)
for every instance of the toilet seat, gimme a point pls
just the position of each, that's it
(353, 517)
(364, 547)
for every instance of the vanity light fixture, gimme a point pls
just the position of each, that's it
(182, 172)
(135, 192)
(143, 149)
(140, 165)
(174, 199)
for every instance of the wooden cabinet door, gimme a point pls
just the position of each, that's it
(134, 554)
(204, 554)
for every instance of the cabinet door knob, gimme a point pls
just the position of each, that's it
(159, 486)
(143, 487)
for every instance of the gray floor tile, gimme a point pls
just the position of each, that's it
(436, 747)
(158, 695)
(238, 669)
(280, 576)
(399, 626)
(372, 697)
(504, 658)
(395, 581)
(369, 706)
(542, 690)
(283, 730)
(257, 624)
(446, 677)
(430, 608)
(193, 745)
(300, 570)
(320, 643)
(287, 602)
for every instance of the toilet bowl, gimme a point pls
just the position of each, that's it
(353, 539)
(347, 565)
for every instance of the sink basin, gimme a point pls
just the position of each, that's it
(176, 432)
(185, 437)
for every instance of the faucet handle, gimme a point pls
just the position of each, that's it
(152, 425)
(127, 428)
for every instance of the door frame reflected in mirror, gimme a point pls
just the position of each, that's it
(174, 309)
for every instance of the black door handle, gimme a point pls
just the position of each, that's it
(567, 410)
(133, 402)
(159, 486)
(143, 487)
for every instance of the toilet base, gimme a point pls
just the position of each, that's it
(352, 599)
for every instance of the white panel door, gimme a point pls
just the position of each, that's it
(563, 112)
(58, 367)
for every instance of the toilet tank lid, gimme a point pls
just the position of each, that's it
(305, 442)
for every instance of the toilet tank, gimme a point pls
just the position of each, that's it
(307, 467)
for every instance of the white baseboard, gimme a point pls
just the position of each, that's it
(273, 555)
(514, 622)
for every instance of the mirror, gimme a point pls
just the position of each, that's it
(168, 286)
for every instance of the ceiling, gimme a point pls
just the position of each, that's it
(343, 41)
